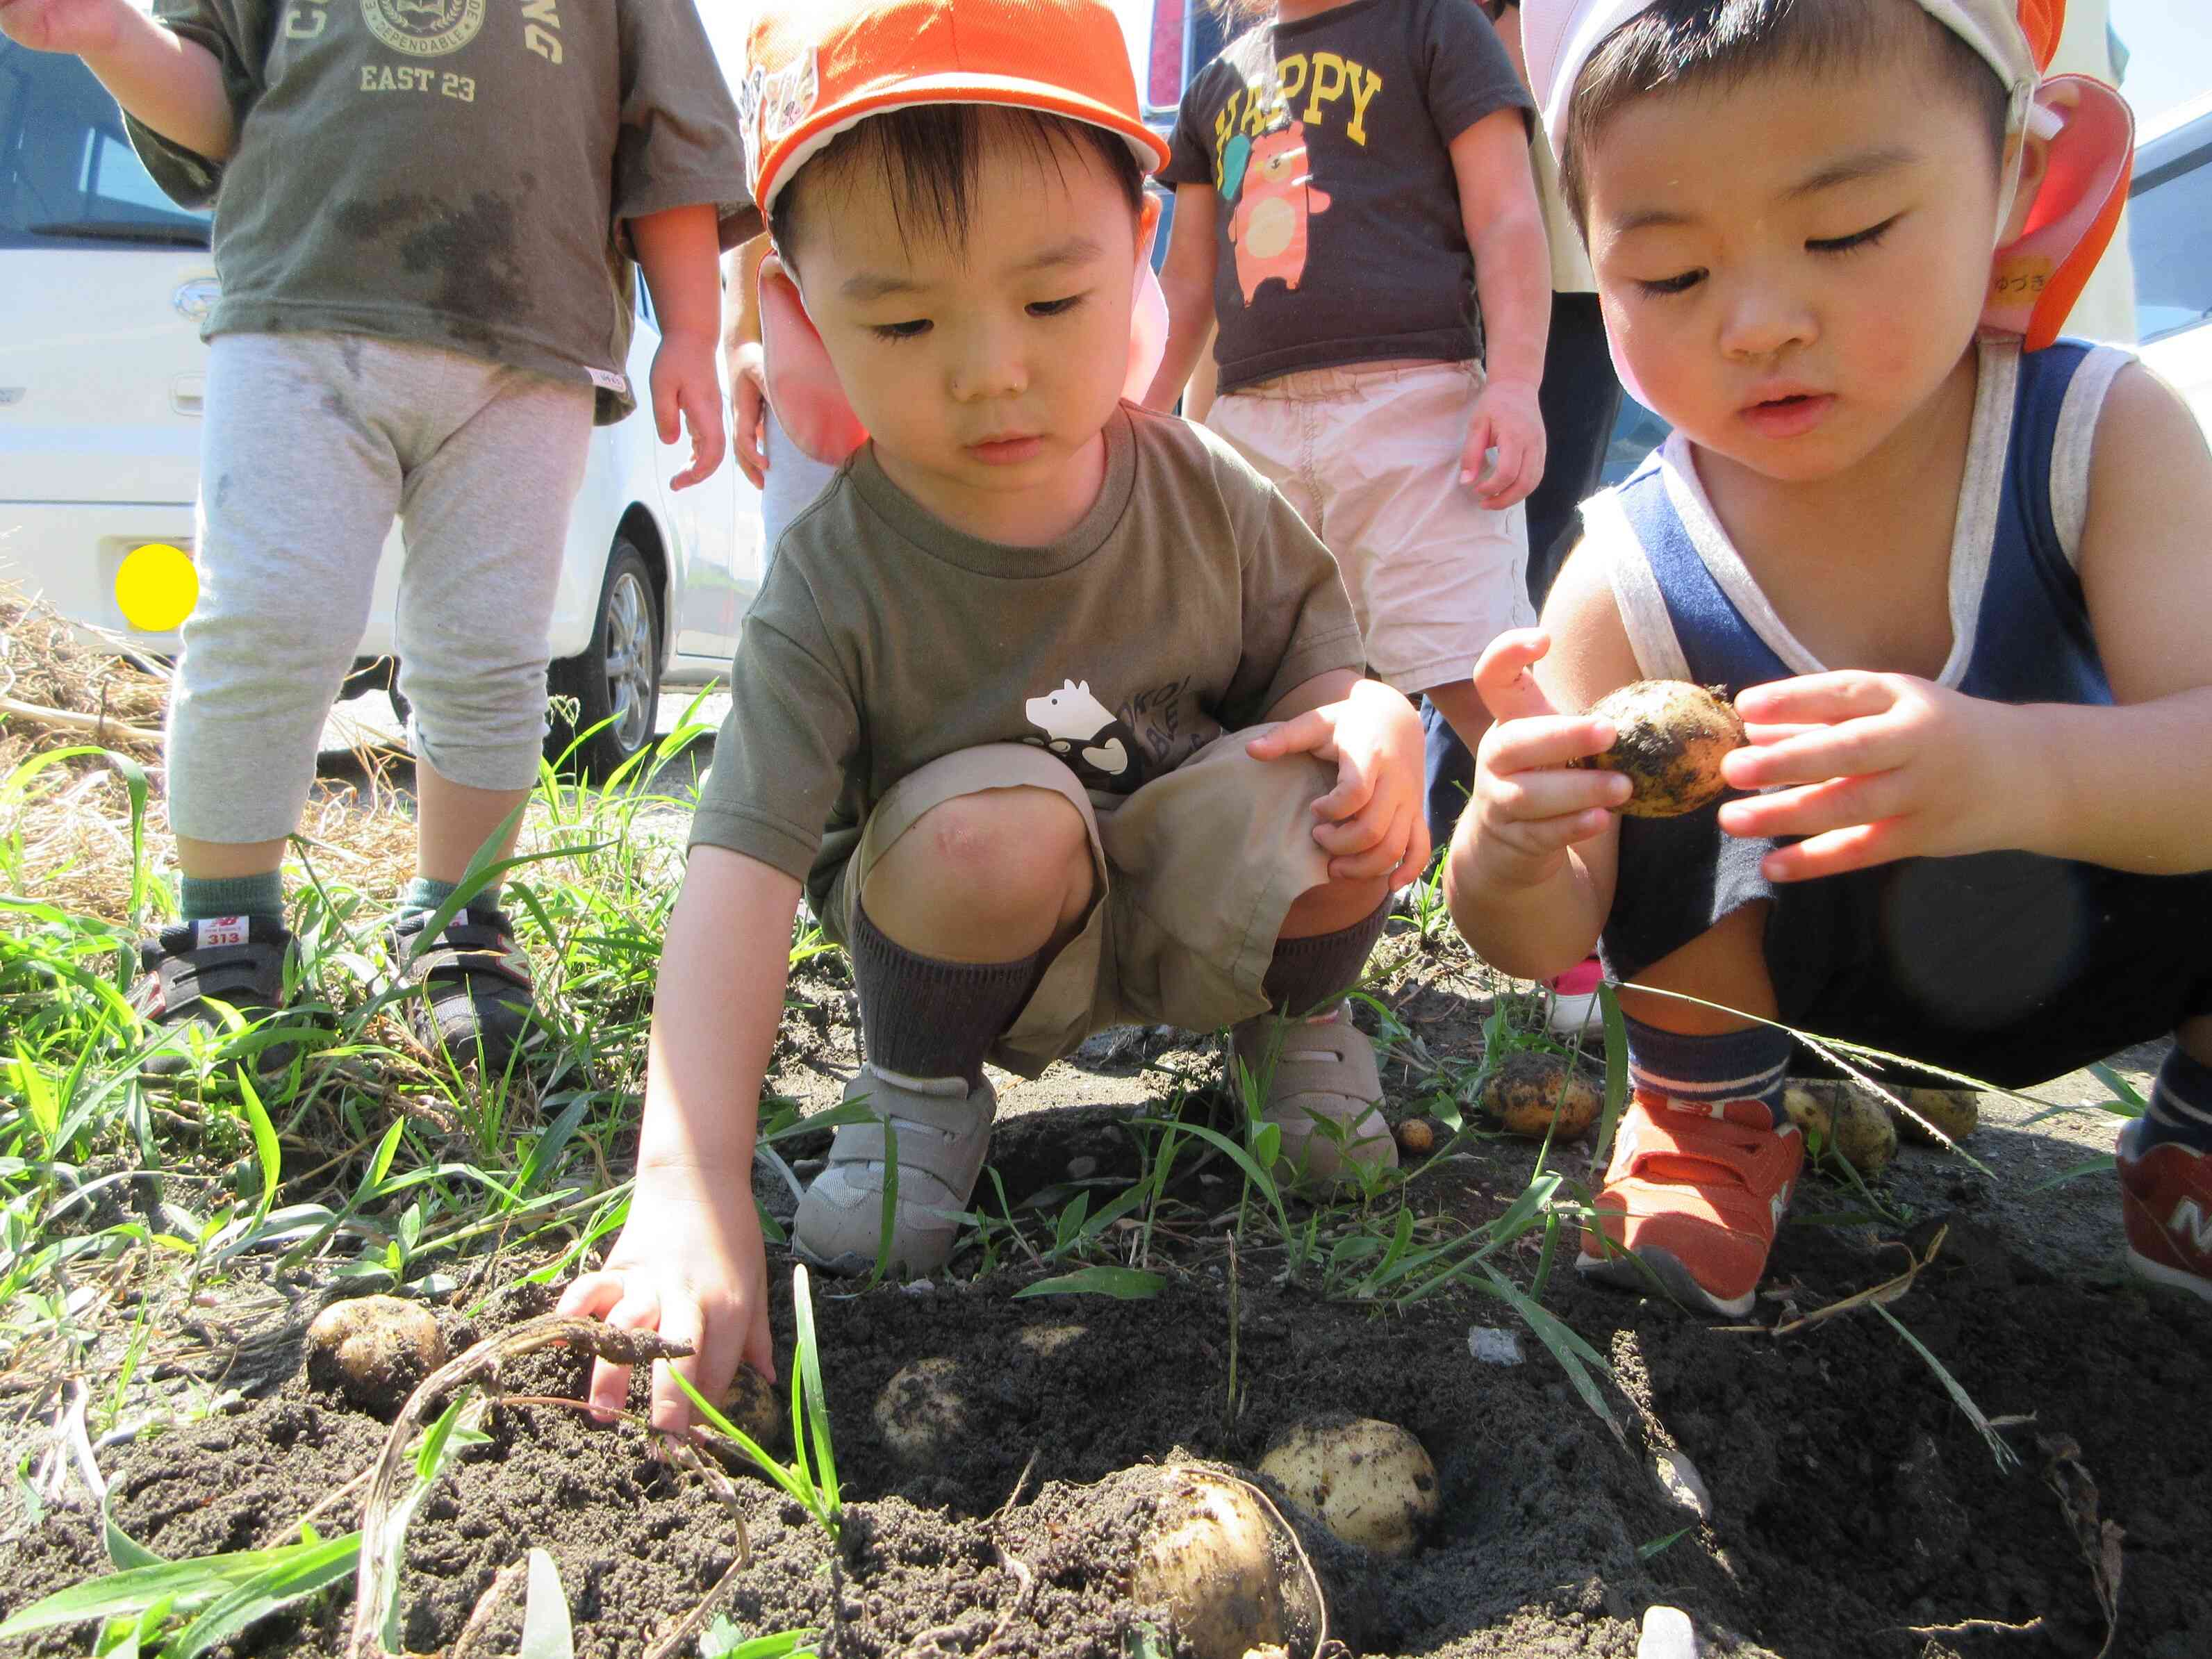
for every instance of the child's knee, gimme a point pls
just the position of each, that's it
(1012, 851)
(1334, 906)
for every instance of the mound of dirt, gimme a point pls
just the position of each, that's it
(1854, 1511)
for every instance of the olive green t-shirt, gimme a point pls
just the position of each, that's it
(1188, 601)
(454, 173)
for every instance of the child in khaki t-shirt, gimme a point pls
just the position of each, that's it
(424, 219)
(1004, 707)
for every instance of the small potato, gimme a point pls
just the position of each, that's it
(1956, 1112)
(1211, 1563)
(1669, 735)
(374, 1349)
(1533, 1087)
(920, 1415)
(1415, 1138)
(1857, 1127)
(755, 1406)
(1369, 1483)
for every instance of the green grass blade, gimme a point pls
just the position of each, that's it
(1616, 1072)
(818, 1399)
(1576, 1357)
(315, 1567)
(783, 1476)
(1123, 1284)
(265, 1148)
(2007, 1459)
(546, 1632)
(188, 1584)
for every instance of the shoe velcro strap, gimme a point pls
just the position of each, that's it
(1691, 1151)
(239, 974)
(462, 952)
(1316, 1062)
(932, 1130)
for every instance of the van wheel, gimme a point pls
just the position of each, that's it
(615, 683)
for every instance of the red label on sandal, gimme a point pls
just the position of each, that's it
(219, 930)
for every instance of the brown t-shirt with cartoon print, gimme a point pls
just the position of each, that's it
(454, 173)
(1188, 601)
(1341, 238)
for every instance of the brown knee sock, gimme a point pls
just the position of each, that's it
(927, 1019)
(1308, 972)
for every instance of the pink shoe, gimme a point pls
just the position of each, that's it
(1574, 1010)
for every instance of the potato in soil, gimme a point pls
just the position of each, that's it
(374, 1349)
(1368, 1482)
(1212, 1563)
(1956, 1112)
(1669, 740)
(1855, 1124)
(1532, 1087)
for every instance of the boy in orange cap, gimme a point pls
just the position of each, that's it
(1050, 705)
(1952, 568)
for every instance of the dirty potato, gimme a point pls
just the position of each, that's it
(1368, 1482)
(1857, 1127)
(1416, 1138)
(374, 1350)
(1956, 1112)
(1668, 738)
(1532, 1087)
(1210, 1562)
(755, 1406)
(920, 1413)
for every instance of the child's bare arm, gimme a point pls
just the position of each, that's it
(689, 1262)
(679, 252)
(1530, 876)
(172, 84)
(1187, 280)
(1504, 227)
(1896, 767)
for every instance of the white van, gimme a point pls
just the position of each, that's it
(103, 286)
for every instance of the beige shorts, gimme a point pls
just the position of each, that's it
(1370, 458)
(1196, 870)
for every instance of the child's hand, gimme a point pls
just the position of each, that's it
(71, 26)
(1875, 767)
(749, 401)
(683, 383)
(1528, 805)
(688, 1264)
(1372, 823)
(1506, 418)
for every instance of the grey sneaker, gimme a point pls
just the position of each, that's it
(944, 1131)
(1320, 1069)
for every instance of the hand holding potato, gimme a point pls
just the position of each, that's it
(1870, 768)
(1530, 804)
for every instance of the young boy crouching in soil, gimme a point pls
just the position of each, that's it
(1050, 705)
(1955, 580)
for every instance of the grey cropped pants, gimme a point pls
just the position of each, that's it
(314, 443)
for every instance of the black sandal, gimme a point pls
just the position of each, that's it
(478, 995)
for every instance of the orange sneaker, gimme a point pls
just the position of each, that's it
(1694, 1194)
(2166, 1201)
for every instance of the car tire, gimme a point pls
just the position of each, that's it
(614, 684)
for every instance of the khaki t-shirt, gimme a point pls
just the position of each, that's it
(1188, 601)
(455, 173)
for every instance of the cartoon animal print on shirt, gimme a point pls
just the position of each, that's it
(1082, 731)
(1276, 200)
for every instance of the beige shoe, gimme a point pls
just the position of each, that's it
(944, 1131)
(1320, 1069)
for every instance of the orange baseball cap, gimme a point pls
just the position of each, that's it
(815, 67)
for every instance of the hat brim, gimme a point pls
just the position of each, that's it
(809, 136)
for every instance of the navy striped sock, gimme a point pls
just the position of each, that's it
(2181, 1104)
(1745, 1065)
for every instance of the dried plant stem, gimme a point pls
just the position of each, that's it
(480, 1365)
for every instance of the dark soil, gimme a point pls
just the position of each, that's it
(1852, 1500)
